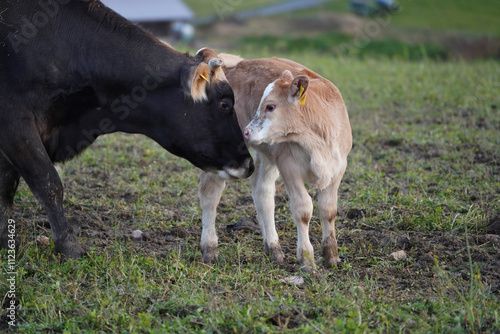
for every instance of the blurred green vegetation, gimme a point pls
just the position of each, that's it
(478, 17)
(341, 44)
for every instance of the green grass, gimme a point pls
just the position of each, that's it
(479, 17)
(424, 165)
(333, 43)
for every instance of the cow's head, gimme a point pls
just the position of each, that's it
(279, 114)
(200, 124)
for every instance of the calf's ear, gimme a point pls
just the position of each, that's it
(215, 65)
(198, 81)
(298, 89)
(229, 59)
(287, 75)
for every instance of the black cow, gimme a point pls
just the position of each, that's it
(71, 70)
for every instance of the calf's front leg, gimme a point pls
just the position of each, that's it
(301, 207)
(210, 190)
(263, 189)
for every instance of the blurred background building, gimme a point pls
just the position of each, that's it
(164, 18)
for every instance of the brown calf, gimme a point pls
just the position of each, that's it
(298, 125)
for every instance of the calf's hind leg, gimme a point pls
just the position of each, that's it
(9, 180)
(24, 149)
(327, 203)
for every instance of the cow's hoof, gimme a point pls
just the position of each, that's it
(330, 252)
(69, 248)
(209, 254)
(276, 253)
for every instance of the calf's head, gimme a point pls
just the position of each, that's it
(204, 121)
(278, 116)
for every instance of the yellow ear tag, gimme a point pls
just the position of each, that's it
(204, 77)
(302, 96)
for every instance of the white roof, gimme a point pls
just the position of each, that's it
(151, 10)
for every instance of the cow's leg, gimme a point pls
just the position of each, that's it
(9, 180)
(263, 189)
(24, 149)
(327, 203)
(210, 188)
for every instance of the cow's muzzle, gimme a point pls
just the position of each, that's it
(245, 170)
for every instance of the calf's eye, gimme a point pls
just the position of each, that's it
(270, 107)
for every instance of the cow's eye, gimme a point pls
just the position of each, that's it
(270, 107)
(225, 105)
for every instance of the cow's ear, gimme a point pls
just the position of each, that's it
(198, 82)
(298, 89)
(205, 54)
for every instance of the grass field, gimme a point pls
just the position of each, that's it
(423, 177)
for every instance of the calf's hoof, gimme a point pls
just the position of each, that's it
(330, 252)
(276, 253)
(331, 262)
(69, 248)
(208, 254)
(306, 261)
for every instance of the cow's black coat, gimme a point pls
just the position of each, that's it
(71, 70)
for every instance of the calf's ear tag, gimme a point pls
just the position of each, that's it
(302, 96)
(204, 77)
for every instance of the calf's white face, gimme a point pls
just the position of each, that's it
(278, 110)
